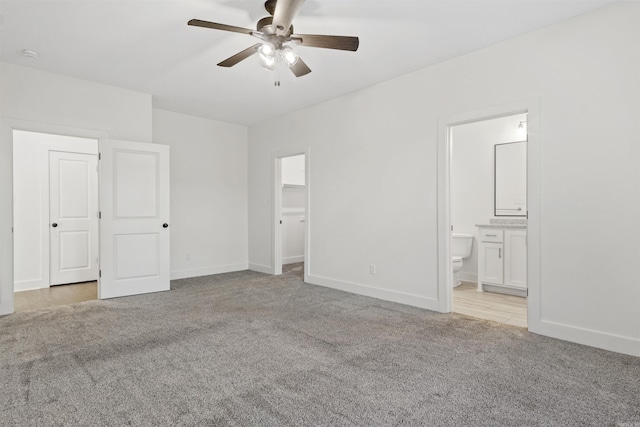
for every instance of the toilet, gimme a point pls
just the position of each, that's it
(461, 245)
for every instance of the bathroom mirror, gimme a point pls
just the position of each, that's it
(510, 179)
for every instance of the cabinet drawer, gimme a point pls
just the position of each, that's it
(491, 235)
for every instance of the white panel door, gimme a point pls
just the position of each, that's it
(73, 217)
(134, 233)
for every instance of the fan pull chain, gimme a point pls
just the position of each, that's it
(276, 79)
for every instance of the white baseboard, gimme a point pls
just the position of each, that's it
(28, 285)
(369, 291)
(293, 259)
(616, 343)
(468, 277)
(261, 268)
(206, 271)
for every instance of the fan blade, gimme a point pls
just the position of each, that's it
(300, 68)
(215, 26)
(283, 16)
(327, 42)
(240, 56)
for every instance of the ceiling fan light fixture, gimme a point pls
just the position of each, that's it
(267, 50)
(277, 37)
(267, 54)
(289, 56)
(269, 63)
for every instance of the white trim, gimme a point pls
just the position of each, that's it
(603, 340)
(292, 259)
(369, 291)
(207, 271)
(266, 269)
(29, 285)
(531, 106)
(6, 217)
(6, 307)
(468, 277)
(276, 222)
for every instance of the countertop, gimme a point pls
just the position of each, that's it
(518, 226)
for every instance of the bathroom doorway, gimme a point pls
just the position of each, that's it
(488, 217)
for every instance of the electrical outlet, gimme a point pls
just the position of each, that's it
(372, 269)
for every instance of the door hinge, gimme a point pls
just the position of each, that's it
(99, 156)
(99, 214)
(280, 221)
(99, 273)
(452, 228)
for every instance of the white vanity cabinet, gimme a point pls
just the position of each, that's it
(502, 257)
(515, 265)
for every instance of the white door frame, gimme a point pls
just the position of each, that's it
(7, 126)
(530, 106)
(276, 227)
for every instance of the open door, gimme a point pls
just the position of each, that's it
(134, 205)
(73, 217)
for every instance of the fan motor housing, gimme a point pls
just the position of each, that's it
(265, 25)
(270, 6)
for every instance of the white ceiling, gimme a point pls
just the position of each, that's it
(146, 45)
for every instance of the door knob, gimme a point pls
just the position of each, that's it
(165, 225)
(54, 225)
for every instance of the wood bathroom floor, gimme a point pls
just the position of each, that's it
(55, 296)
(501, 308)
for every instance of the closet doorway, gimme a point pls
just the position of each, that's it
(55, 219)
(291, 214)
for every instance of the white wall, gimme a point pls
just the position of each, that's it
(39, 101)
(31, 202)
(373, 174)
(472, 185)
(208, 193)
(46, 98)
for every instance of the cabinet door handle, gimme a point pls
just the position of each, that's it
(491, 235)
(499, 252)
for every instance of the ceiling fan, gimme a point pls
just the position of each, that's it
(277, 37)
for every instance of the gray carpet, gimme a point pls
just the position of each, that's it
(251, 349)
